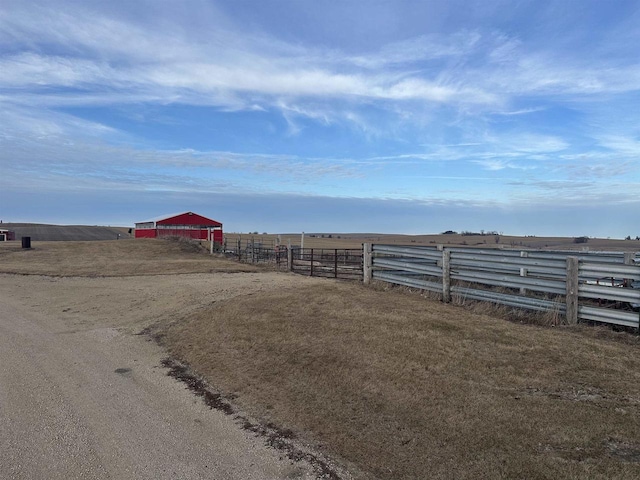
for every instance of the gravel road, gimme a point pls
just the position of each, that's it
(83, 399)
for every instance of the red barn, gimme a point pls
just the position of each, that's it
(6, 235)
(187, 224)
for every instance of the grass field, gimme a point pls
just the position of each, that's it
(45, 232)
(391, 383)
(113, 258)
(353, 240)
(65, 233)
(406, 387)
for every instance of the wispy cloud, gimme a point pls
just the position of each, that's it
(417, 49)
(501, 165)
(622, 145)
(416, 112)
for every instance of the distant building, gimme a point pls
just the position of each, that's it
(187, 224)
(6, 235)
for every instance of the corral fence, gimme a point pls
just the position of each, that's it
(257, 252)
(344, 263)
(582, 286)
(316, 262)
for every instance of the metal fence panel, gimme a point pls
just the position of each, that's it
(612, 293)
(407, 266)
(605, 315)
(324, 262)
(518, 301)
(617, 271)
(416, 252)
(544, 272)
(511, 281)
(415, 282)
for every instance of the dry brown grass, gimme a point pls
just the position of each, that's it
(113, 258)
(66, 233)
(406, 387)
(355, 240)
(398, 384)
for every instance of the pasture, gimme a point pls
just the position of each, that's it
(51, 233)
(392, 384)
(113, 258)
(355, 240)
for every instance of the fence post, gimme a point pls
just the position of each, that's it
(572, 290)
(367, 263)
(523, 273)
(335, 263)
(311, 271)
(289, 258)
(628, 260)
(446, 275)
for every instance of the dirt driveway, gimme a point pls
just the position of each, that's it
(81, 396)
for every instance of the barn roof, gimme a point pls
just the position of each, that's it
(172, 215)
(163, 217)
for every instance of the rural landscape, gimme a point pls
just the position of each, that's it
(335, 240)
(355, 381)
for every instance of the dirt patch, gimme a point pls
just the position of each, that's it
(617, 450)
(197, 386)
(625, 451)
(276, 437)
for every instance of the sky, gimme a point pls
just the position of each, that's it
(521, 117)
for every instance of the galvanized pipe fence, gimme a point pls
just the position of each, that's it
(589, 286)
(257, 252)
(341, 263)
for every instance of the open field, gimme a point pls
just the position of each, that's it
(45, 232)
(51, 233)
(392, 384)
(355, 240)
(113, 258)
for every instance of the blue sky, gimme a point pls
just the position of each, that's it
(379, 116)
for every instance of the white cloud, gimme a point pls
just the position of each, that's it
(92, 46)
(29, 69)
(523, 111)
(121, 57)
(622, 145)
(501, 164)
(416, 49)
(460, 97)
(59, 150)
(527, 143)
